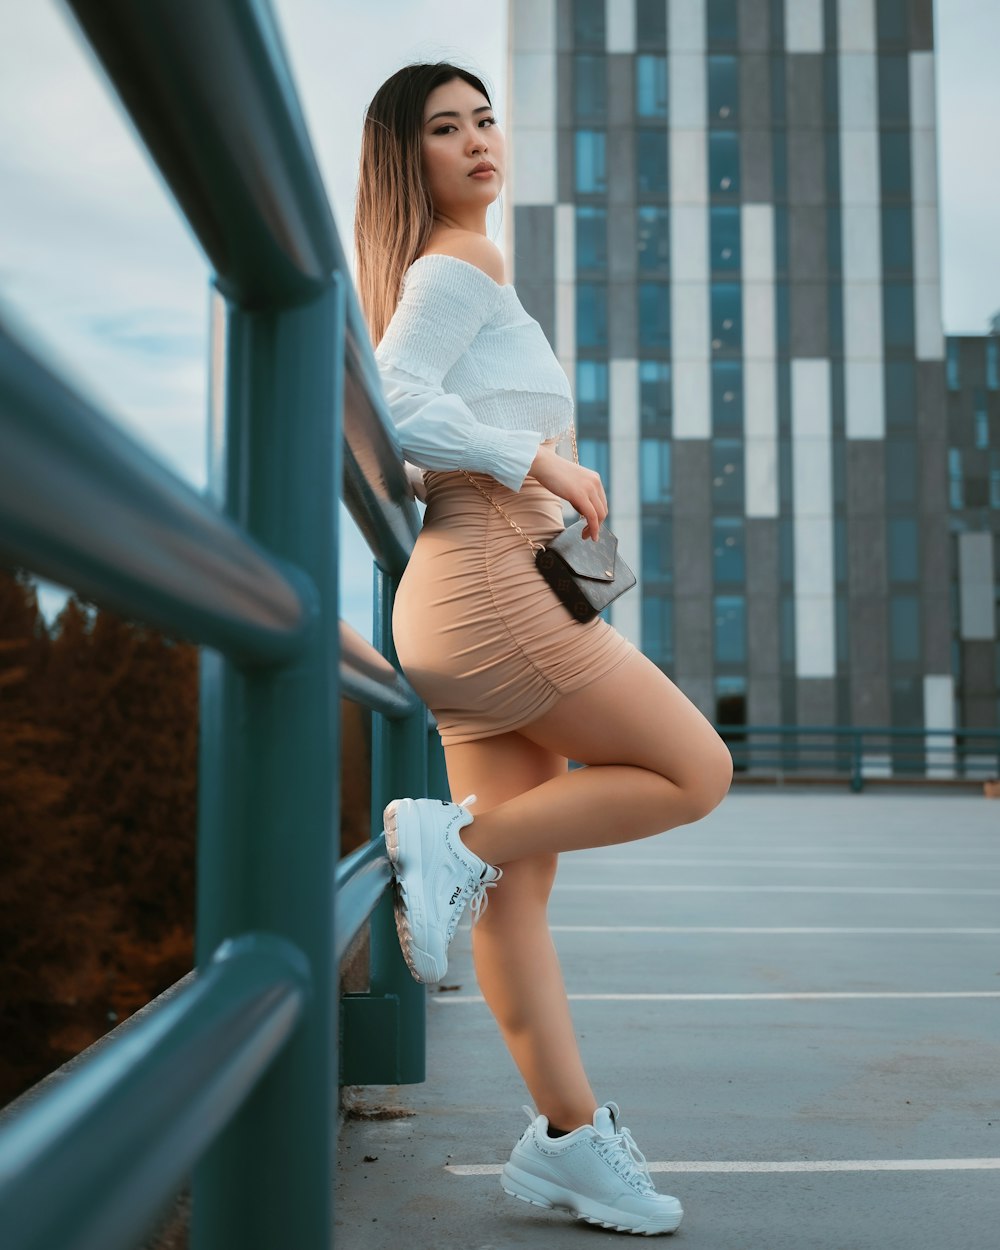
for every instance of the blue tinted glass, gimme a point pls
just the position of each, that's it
(728, 556)
(654, 470)
(592, 388)
(904, 628)
(842, 618)
(980, 421)
(654, 237)
(651, 86)
(590, 86)
(779, 165)
(588, 23)
(952, 365)
(650, 22)
(727, 474)
(893, 89)
(723, 89)
(781, 238)
(591, 314)
(725, 231)
(591, 237)
(727, 395)
(892, 25)
(897, 239)
(724, 162)
(894, 159)
(727, 316)
(835, 318)
(786, 627)
(778, 108)
(839, 549)
(657, 629)
(904, 549)
(786, 551)
(730, 629)
(901, 471)
(591, 170)
(834, 240)
(654, 392)
(654, 314)
(900, 393)
(956, 483)
(593, 453)
(993, 363)
(657, 549)
(723, 26)
(897, 305)
(651, 161)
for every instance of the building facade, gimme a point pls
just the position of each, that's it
(725, 219)
(972, 375)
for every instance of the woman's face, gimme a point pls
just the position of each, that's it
(455, 144)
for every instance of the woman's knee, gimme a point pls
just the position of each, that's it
(526, 885)
(709, 781)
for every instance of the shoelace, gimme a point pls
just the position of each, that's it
(475, 891)
(633, 1158)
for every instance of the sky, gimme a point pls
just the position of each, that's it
(99, 272)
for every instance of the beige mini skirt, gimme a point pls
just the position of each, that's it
(479, 633)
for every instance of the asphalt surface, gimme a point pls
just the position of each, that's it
(796, 1003)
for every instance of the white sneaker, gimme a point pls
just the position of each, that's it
(436, 876)
(597, 1173)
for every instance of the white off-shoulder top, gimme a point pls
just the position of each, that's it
(470, 379)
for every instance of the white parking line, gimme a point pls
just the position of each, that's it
(772, 889)
(795, 996)
(826, 931)
(791, 1165)
(653, 861)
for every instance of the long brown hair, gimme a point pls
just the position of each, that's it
(394, 212)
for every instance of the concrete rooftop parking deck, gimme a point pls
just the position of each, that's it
(796, 1003)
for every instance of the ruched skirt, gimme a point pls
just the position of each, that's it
(479, 633)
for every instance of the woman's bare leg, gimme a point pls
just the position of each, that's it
(655, 763)
(516, 962)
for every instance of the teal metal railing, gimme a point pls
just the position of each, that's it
(864, 753)
(232, 1079)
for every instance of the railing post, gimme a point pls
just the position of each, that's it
(857, 763)
(269, 827)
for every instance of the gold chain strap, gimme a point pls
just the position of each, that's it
(513, 524)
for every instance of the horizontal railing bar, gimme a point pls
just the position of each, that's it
(85, 504)
(368, 678)
(88, 1163)
(360, 880)
(856, 731)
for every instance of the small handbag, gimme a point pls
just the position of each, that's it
(585, 575)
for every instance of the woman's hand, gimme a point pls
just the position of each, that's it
(579, 486)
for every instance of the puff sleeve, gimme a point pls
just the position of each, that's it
(441, 310)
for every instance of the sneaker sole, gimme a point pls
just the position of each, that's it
(403, 846)
(542, 1193)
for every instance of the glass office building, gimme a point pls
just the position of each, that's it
(725, 219)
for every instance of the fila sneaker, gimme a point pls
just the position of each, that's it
(436, 875)
(597, 1173)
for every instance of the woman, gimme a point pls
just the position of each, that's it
(518, 686)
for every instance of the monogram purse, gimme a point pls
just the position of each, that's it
(585, 575)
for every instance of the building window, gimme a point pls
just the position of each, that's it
(727, 474)
(904, 549)
(897, 305)
(651, 86)
(588, 23)
(725, 234)
(727, 317)
(843, 644)
(901, 471)
(900, 393)
(654, 470)
(892, 25)
(894, 153)
(723, 26)
(592, 393)
(590, 87)
(730, 629)
(651, 23)
(786, 551)
(951, 365)
(731, 708)
(893, 89)
(651, 161)
(897, 240)
(723, 89)
(980, 420)
(728, 549)
(593, 454)
(992, 363)
(591, 237)
(904, 628)
(654, 237)
(654, 315)
(995, 487)
(840, 550)
(956, 491)
(591, 166)
(657, 549)
(727, 395)
(724, 163)
(655, 398)
(591, 314)
(658, 629)
(786, 630)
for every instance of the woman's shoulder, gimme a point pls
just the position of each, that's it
(463, 254)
